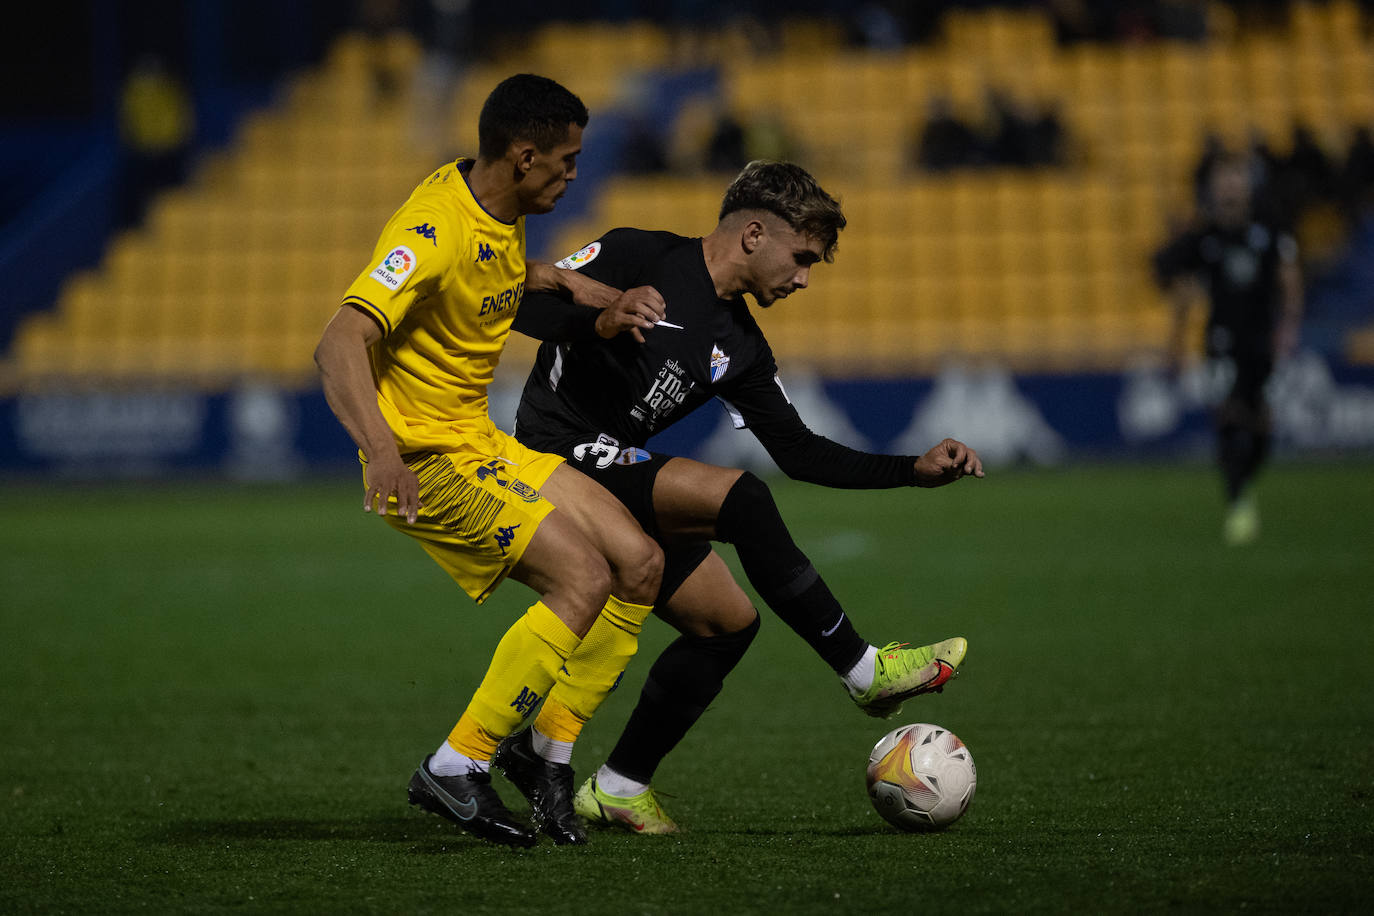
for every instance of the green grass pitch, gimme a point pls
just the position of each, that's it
(213, 697)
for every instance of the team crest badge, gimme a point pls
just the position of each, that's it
(719, 363)
(579, 259)
(395, 268)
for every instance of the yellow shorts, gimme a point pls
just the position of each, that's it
(480, 506)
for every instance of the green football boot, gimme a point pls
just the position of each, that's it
(902, 673)
(1242, 521)
(638, 814)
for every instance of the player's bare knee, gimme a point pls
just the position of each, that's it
(580, 592)
(639, 572)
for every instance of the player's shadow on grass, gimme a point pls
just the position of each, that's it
(425, 834)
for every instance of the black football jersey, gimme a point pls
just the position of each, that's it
(1239, 268)
(584, 388)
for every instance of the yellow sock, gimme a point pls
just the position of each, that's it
(592, 671)
(522, 670)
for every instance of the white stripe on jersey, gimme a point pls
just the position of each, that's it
(736, 417)
(556, 372)
(777, 380)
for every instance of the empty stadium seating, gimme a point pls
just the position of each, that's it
(236, 273)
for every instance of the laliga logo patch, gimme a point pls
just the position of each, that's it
(395, 267)
(579, 259)
(719, 363)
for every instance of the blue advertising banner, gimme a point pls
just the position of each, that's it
(258, 431)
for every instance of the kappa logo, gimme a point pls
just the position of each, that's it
(505, 535)
(580, 258)
(426, 231)
(484, 253)
(525, 702)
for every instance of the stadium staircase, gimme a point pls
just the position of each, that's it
(235, 274)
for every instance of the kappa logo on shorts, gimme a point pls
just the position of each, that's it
(505, 536)
(579, 259)
(395, 268)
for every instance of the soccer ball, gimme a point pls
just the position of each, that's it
(921, 777)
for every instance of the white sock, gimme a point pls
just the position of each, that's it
(860, 677)
(612, 783)
(448, 762)
(551, 750)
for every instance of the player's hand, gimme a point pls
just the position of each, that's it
(634, 311)
(388, 476)
(946, 463)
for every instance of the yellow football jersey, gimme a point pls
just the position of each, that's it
(445, 281)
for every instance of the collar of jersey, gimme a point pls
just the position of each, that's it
(464, 167)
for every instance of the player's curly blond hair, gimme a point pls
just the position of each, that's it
(789, 192)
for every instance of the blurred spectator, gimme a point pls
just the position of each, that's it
(1016, 135)
(725, 150)
(447, 36)
(379, 20)
(156, 126)
(1307, 172)
(643, 151)
(766, 137)
(876, 27)
(1357, 174)
(1213, 148)
(1045, 137)
(945, 142)
(1185, 20)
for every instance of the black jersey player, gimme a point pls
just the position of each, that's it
(681, 335)
(1247, 268)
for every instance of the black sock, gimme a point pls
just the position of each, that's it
(1242, 451)
(681, 684)
(783, 576)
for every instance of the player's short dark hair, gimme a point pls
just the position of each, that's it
(527, 107)
(790, 193)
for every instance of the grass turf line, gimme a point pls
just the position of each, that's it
(214, 696)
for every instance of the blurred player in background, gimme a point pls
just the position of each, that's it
(1247, 269)
(607, 380)
(405, 364)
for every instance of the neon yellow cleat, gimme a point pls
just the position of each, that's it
(1242, 522)
(639, 814)
(902, 673)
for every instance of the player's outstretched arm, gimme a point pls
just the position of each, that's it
(346, 376)
(946, 463)
(580, 288)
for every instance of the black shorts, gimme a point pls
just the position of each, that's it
(629, 474)
(1247, 358)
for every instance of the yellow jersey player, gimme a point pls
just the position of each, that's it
(405, 363)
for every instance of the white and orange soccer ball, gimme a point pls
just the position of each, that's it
(921, 777)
